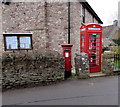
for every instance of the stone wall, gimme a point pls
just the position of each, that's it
(75, 28)
(44, 63)
(25, 17)
(82, 65)
(27, 69)
(57, 24)
(108, 63)
(89, 17)
(47, 21)
(49, 24)
(1, 43)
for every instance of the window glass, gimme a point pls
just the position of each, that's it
(11, 42)
(25, 42)
(93, 19)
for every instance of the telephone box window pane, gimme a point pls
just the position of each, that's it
(11, 42)
(83, 35)
(83, 44)
(25, 42)
(93, 35)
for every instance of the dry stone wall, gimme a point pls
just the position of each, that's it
(82, 65)
(24, 70)
(108, 63)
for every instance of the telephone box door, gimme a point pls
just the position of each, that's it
(94, 52)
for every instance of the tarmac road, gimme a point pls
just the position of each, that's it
(93, 91)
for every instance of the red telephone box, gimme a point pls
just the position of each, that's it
(91, 43)
(67, 56)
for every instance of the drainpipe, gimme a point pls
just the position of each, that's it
(68, 21)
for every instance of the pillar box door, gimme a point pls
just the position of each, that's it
(67, 56)
(91, 43)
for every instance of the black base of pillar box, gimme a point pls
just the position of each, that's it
(67, 74)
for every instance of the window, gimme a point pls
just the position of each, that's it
(6, 2)
(93, 20)
(18, 41)
(83, 14)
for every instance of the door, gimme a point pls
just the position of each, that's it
(94, 52)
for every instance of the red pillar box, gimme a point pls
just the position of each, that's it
(67, 55)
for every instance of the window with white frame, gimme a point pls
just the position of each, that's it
(18, 41)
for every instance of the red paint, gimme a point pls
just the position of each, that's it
(91, 43)
(67, 56)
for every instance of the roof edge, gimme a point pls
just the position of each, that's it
(89, 8)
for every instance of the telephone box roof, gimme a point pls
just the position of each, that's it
(90, 24)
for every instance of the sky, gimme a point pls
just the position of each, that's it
(107, 10)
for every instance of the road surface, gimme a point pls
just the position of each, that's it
(93, 91)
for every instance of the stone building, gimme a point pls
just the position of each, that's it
(48, 24)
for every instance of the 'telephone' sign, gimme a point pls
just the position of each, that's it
(93, 28)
